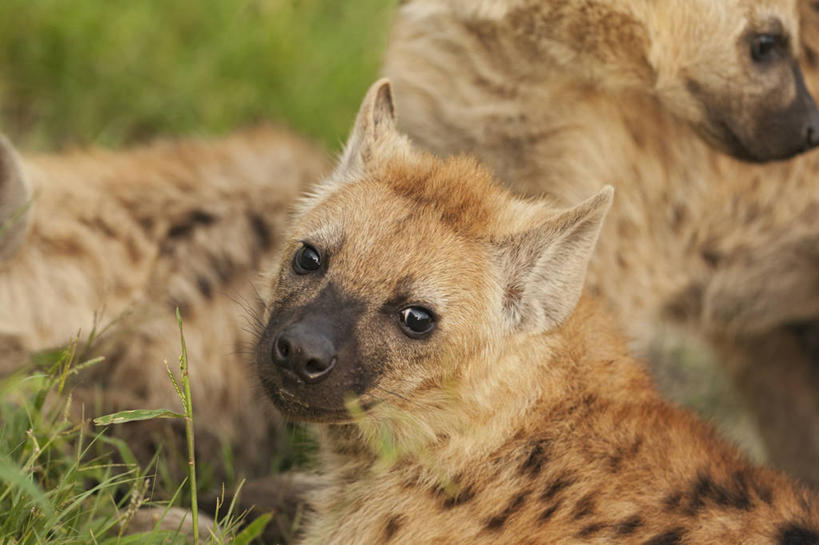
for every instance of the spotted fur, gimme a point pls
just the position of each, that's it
(560, 105)
(492, 429)
(123, 238)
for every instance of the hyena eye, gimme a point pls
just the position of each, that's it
(417, 321)
(306, 260)
(766, 47)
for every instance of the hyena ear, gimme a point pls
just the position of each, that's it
(15, 200)
(545, 267)
(374, 126)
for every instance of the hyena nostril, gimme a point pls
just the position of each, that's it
(316, 369)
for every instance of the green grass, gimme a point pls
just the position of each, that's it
(88, 72)
(85, 72)
(61, 483)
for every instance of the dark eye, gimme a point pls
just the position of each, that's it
(766, 47)
(417, 321)
(306, 260)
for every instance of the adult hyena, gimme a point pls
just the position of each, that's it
(564, 97)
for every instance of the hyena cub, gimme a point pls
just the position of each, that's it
(433, 324)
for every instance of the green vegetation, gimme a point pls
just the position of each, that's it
(84, 71)
(60, 483)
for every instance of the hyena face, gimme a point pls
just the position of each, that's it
(403, 267)
(15, 195)
(731, 67)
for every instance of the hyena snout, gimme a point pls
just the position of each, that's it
(304, 350)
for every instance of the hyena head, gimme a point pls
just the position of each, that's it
(730, 68)
(402, 269)
(15, 196)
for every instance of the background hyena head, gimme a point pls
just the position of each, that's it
(403, 268)
(730, 68)
(15, 196)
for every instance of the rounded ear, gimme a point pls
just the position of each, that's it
(374, 125)
(545, 267)
(15, 200)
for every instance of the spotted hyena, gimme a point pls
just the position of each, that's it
(562, 98)
(121, 239)
(433, 326)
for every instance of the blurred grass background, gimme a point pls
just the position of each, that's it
(116, 72)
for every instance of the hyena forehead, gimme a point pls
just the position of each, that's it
(454, 194)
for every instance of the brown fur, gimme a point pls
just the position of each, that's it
(695, 240)
(495, 428)
(124, 238)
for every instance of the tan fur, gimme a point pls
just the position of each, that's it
(123, 238)
(490, 429)
(695, 239)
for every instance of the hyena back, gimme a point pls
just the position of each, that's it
(434, 325)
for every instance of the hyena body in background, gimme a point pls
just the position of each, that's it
(127, 236)
(493, 403)
(653, 98)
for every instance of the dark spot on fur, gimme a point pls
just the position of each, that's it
(393, 525)
(183, 228)
(686, 303)
(628, 526)
(584, 507)
(793, 534)
(497, 522)
(590, 530)
(261, 231)
(204, 286)
(672, 501)
(460, 498)
(622, 452)
(547, 513)
(146, 223)
(454, 495)
(711, 257)
(733, 496)
(702, 489)
(223, 267)
(765, 493)
(671, 537)
(534, 462)
(558, 485)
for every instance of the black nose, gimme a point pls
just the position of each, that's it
(304, 351)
